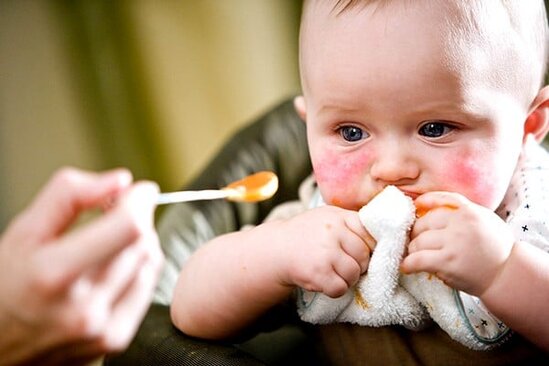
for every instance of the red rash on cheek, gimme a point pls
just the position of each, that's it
(340, 177)
(469, 175)
(463, 173)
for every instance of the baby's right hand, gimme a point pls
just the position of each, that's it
(325, 249)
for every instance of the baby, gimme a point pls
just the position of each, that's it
(445, 101)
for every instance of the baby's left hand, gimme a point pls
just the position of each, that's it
(464, 244)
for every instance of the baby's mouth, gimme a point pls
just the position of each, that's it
(411, 194)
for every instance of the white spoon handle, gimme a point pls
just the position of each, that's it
(185, 196)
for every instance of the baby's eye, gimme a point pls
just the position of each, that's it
(435, 129)
(352, 133)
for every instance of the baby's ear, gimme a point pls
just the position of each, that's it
(537, 122)
(299, 105)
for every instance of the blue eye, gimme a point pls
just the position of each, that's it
(435, 129)
(351, 133)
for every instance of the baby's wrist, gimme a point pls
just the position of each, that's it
(498, 284)
(273, 254)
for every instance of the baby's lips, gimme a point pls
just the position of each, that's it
(421, 210)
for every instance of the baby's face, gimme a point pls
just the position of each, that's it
(391, 99)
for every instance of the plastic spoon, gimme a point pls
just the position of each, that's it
(253, 188)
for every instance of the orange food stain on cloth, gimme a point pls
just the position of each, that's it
(360, 300)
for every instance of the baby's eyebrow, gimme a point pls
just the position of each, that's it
(338, 107)
(341, 5)
(342, 112)
(471, 111)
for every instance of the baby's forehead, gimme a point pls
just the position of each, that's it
(507, 34)
(454, 24)
(528, 19)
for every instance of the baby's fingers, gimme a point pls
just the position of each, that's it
(424, 253)
(357, 241)
(433, 200)
(337, 276)
(427, 240)
(334, 286)
(422, 261)
(356, 250)
(348, 269)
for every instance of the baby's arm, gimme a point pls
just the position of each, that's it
(519, 295)
(471, 249)
(235, 278)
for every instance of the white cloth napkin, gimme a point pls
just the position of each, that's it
(383, 296)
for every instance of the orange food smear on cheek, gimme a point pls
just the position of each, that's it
(335, 201)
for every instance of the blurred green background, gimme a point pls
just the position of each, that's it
(155, 86)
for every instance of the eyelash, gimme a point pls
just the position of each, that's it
(355, 130)
(446, 129)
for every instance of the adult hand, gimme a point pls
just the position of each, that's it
(69, 295)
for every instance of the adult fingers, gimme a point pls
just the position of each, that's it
(130, 308)
(94, 295)
(96, 243)
(116, 274)
(120, 273)
(67, 194)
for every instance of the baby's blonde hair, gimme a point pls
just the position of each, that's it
(527, 18)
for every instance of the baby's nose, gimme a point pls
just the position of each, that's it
(394, 165)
